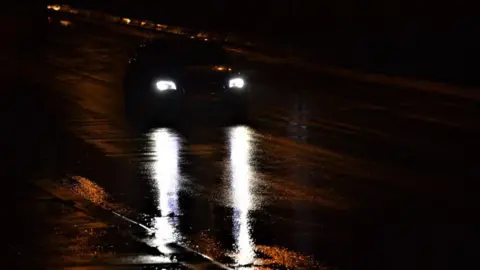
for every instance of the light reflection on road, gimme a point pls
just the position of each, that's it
(241, 177)
(166, 176)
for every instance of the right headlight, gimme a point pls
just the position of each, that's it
(236, 83)
(164, 85)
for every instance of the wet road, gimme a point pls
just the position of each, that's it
(329, 174)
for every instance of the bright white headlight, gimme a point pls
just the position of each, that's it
(165, 85)
(236, 83)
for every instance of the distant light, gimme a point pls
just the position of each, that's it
(143, 23)
(65, 23)
(54, 7)
(161, 26)
(206, 39)
(222, 68)
(126, 20)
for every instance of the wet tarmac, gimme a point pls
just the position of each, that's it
(328, 174)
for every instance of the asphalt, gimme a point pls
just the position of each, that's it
(330, 173)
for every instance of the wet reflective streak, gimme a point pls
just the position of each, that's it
(165, 180)
(241, 177)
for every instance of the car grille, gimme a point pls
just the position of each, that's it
(203, 84)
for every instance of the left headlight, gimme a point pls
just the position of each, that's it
(164, 85)
(236, 83)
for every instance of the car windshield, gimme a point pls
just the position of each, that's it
(191, 53)
(203, 55)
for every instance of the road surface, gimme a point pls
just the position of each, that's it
(329, 174)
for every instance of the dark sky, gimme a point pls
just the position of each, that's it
(368, 31)
(280, 15)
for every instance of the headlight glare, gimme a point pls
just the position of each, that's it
(236, 83)
(164, 85)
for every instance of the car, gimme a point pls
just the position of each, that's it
(167, 78)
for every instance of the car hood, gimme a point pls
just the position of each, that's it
(215, 69)
(205, 72)
(203, 75)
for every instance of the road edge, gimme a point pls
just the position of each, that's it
(182, 254)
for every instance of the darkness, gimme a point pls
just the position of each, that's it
(356, 174)
(425, 39)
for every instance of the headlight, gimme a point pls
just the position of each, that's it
(236, 83)
(165, 85)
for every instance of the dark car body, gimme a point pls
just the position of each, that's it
(200, 70)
